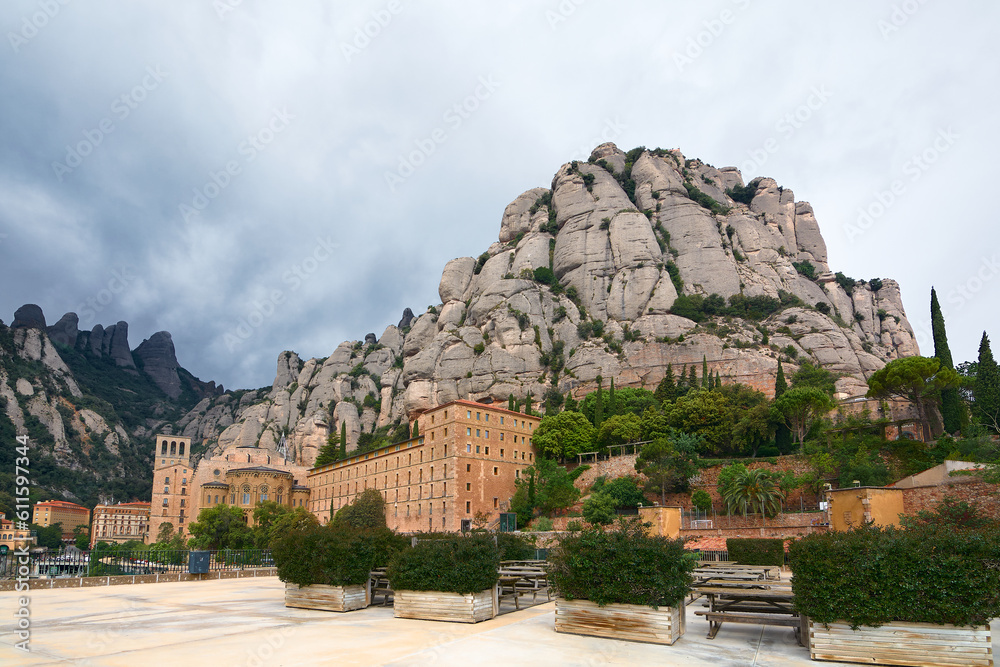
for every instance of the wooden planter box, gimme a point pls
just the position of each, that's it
(620, 621)
(327, 598)
(924, 644)
(440, 606)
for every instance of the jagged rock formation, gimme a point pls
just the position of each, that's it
(28, 316)
(160, 362)
(585, 280)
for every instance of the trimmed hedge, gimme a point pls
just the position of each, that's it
(332, 555)
(515, 547)
(453, 565)
(756, 550)
(872, 576)
(623, 566)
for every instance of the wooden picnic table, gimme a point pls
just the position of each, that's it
(518, 581)
(757, 602)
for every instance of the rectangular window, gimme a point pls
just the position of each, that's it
(468, 467)
(501, 452)
(468, 448)
(496, 470)
(468, 507)
(167, 481)
(477, 433)
(468, 414)
(501, 436)
(496, 503)
(445, 414)
(468, 431)
(478, 416)
(446, 435)
(487, 435)
(182, 502)
(477, 449)
(501, 420)
(468, 486)
(165, 502)
(517, 474)
(487, 450)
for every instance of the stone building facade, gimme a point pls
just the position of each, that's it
(182, 488)
(465, 462)
(70, 515)
(120, 523)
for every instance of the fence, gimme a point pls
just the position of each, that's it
(113, 562)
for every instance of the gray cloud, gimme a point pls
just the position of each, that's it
(358, 89)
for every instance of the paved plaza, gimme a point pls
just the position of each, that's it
(244, 622)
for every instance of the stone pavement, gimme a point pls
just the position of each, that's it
(244, 622)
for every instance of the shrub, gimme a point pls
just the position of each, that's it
(478, 348)
(704, 200)
(623, 566)
(544, 275)
(875, 284)
(542, 524)
(845, 282)
(701, 500)
(599, 509)
(744, 194)
(331, 555)
(872, 576)
(452, 564)
(823, 307)
(806, 268)
(515, 547)
(756, 550)
(574, 526)
(481, 262)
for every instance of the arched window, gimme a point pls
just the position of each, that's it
(263, 493)
(173, 447)
(180, 450)
(163, 449)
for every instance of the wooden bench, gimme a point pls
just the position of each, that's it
(717, 618)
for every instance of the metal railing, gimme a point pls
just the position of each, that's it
(113, 562)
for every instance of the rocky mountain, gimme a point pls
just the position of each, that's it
(627, 264)
(89, 404)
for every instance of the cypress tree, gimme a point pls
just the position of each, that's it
(705, 377)
(571, 403)
(612, 406)
(511, 403)
(782, 433)
(682, 380)
(986, 389)
(951, 403)
(599, 404)
(527, 404)
(416, 431)
(693, 378)
(718, 380)
(343, 440)
(666, 391)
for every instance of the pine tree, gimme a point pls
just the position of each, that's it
(343, 440)
(599, 404)
(986, 389)
(705, 377)
(951, 403)
(693, 379)
(682, 380)
(666, 391)
(571, 404)
(512, 403)
(782, 432)
(612, 406)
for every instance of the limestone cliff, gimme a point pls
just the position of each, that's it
(609, 249)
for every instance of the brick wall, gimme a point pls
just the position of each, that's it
(968, 488)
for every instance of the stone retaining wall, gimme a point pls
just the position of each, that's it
(119, 580)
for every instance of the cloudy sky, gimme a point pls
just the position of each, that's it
(259, 176)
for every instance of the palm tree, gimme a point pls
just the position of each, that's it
(755, 488)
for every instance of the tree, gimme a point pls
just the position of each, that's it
(809, 375)
(564, 435)
(986, 388)
(701, 500)
(625, 491)
(799, 406)
(952, 412)
(166, 532)
(512, 403)
(48, 536)
(527, 404)
(782, 433)
(221, 527)
(599, 404)
(343, 439)
(571, 404)
(666, 391)
(416, 431)
(755, 489)
(554, 488)
(705, 377)
(612, 409)
(366, 512)
(81, 537)
(599, 509)
(329, 453)
(553, 400)
(619, 430)
(692, 379)
(668, 463)
(915, 379)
